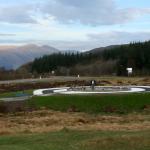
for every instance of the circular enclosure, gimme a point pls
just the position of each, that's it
(91, 90)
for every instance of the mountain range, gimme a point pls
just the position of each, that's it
(11, 57)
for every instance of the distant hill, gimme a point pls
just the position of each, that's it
(97, 50)
(11, 57)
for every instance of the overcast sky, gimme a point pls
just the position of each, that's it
(74, 24)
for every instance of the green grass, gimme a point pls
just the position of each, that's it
(122, 103)
(78, 140)
(14, 94)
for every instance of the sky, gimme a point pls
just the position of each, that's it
(74, 24)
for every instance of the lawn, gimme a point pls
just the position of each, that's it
(111, 103)
(78, 140)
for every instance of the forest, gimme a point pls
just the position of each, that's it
(117, 59)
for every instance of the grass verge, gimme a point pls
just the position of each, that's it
(15, 94)
(78, 140)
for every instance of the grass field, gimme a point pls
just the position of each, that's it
(113, 103)
(78, 140)
(79, 122)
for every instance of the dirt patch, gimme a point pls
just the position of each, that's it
(47, 120)
(83, 81)
(27, 86)
(15, 106)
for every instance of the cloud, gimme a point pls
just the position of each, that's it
(87, 12)
(119, 37)
(7, 34)
(93, 41)
(92, 12)
(100, 40)
(17, 14)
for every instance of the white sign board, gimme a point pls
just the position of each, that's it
(53, 72)
(130, 70)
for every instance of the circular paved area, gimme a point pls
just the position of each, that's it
(88, 90)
